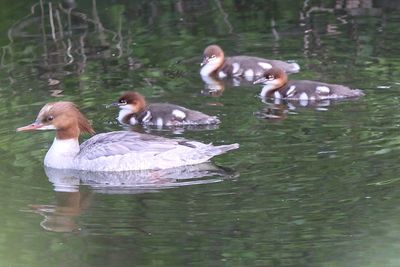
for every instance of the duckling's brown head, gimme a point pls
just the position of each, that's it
(213, 58)
(132, 101)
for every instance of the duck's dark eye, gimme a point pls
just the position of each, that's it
(123, 101)
(271, 77)
(49, 118)
(213, 56)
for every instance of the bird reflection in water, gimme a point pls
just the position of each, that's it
(175, 130)
(279, 109)
(213, 86)
(74, 190)
(274, 109)
(61, 216)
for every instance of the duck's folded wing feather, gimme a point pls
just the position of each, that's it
(123, 142)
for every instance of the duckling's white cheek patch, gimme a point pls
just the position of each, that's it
(209, 68)
(291, 91)
(236, 67)
(264, 65)
(179, 114)
(323, 90)
(266, 89)
(122, 113)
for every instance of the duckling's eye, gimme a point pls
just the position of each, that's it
(123, 101)
(49, 118)
(213, 56)
(271, 77)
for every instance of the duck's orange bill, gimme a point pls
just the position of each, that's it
(30, 127)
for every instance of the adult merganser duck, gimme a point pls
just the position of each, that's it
(214, 62)
(113, 151)
(276, 85)
(134, 110)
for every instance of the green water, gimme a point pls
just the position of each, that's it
(309, 186)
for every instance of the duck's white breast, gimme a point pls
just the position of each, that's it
(62, 153)
(122, 114)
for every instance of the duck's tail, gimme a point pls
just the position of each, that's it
(213, 120)
(217, 150)
(357, 92)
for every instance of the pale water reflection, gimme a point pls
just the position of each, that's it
(131, 182)
(74, 189)
(279, 109)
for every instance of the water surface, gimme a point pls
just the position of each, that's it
(309, 186)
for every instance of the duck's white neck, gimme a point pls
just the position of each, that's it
(209, 68)
(62, 153)
(123, 113)
(266, 89)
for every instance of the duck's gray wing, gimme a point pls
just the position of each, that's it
(123, 142)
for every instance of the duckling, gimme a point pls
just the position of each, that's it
(215, 62)
(134, 110)
(276, 85)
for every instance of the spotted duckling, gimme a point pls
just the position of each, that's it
(134, 110)
(276, 85)
(215, 62)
